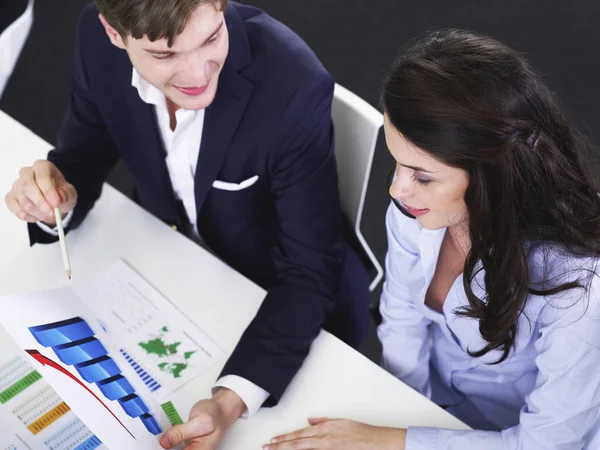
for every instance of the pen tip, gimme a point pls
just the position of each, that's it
(69, 274)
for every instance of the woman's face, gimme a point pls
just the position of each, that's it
(431, 191)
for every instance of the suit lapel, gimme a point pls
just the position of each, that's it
(223, 116)
(150, 146)
(220, 124)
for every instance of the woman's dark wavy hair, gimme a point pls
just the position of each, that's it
(475, 104)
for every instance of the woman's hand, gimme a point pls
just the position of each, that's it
(332, 434)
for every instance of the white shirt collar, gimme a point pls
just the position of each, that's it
(147, 92)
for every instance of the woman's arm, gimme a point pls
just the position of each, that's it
(565, 402)
(404, 330)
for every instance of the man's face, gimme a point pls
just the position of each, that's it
(186, 73)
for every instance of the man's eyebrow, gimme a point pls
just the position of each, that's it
(214, 32)
(171, 52)
(159, 52)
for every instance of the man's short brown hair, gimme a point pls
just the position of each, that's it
(158, 19)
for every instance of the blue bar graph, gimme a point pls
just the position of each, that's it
(133, 405)
(98, 369)
(152, 384)
(74, 344)
(115, 387)
(80, 351)
(63, 332)
(151, 424)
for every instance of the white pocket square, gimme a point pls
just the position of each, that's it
(235, 186)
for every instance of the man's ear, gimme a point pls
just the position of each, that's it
(113, 35)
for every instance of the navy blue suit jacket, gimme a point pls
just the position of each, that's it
(271, 117)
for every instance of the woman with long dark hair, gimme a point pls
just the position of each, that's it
(491, 305)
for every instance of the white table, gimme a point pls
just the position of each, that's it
(19, 147)
(335, 381)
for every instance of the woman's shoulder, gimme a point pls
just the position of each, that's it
(551, 264)
(564, 283)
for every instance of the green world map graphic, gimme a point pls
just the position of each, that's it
(173, 361)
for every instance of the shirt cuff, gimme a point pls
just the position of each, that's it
(421, 438)
(251, 394)
(54, 231)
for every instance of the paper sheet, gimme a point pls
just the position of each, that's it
(165, 349)
(114, 349)
(32, 415)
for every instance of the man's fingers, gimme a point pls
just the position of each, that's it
(14, 207)
(68, 197)
(26, 173)
(66, 190)
(205, 443)
(12, 204)
(57, 175)
(35, 194)
(45, 178)
(197, 427)
(172, 438)
(63, 196)
(33, 202)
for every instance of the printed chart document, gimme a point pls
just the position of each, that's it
(114, 349)
(32, 415)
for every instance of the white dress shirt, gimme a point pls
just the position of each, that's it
(182, 147)
(544, 396)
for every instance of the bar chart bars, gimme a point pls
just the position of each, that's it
(148, 379)
(74, 343)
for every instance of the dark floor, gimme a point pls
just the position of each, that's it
(356, 40)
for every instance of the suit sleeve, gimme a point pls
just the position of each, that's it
(309, 258)
(84, 153)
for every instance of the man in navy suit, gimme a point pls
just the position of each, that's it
(223, 117)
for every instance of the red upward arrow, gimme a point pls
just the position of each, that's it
(48, 362)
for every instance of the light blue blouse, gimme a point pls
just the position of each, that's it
(545, 396)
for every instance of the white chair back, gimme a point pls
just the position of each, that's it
(12, 41)
(357, 126)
